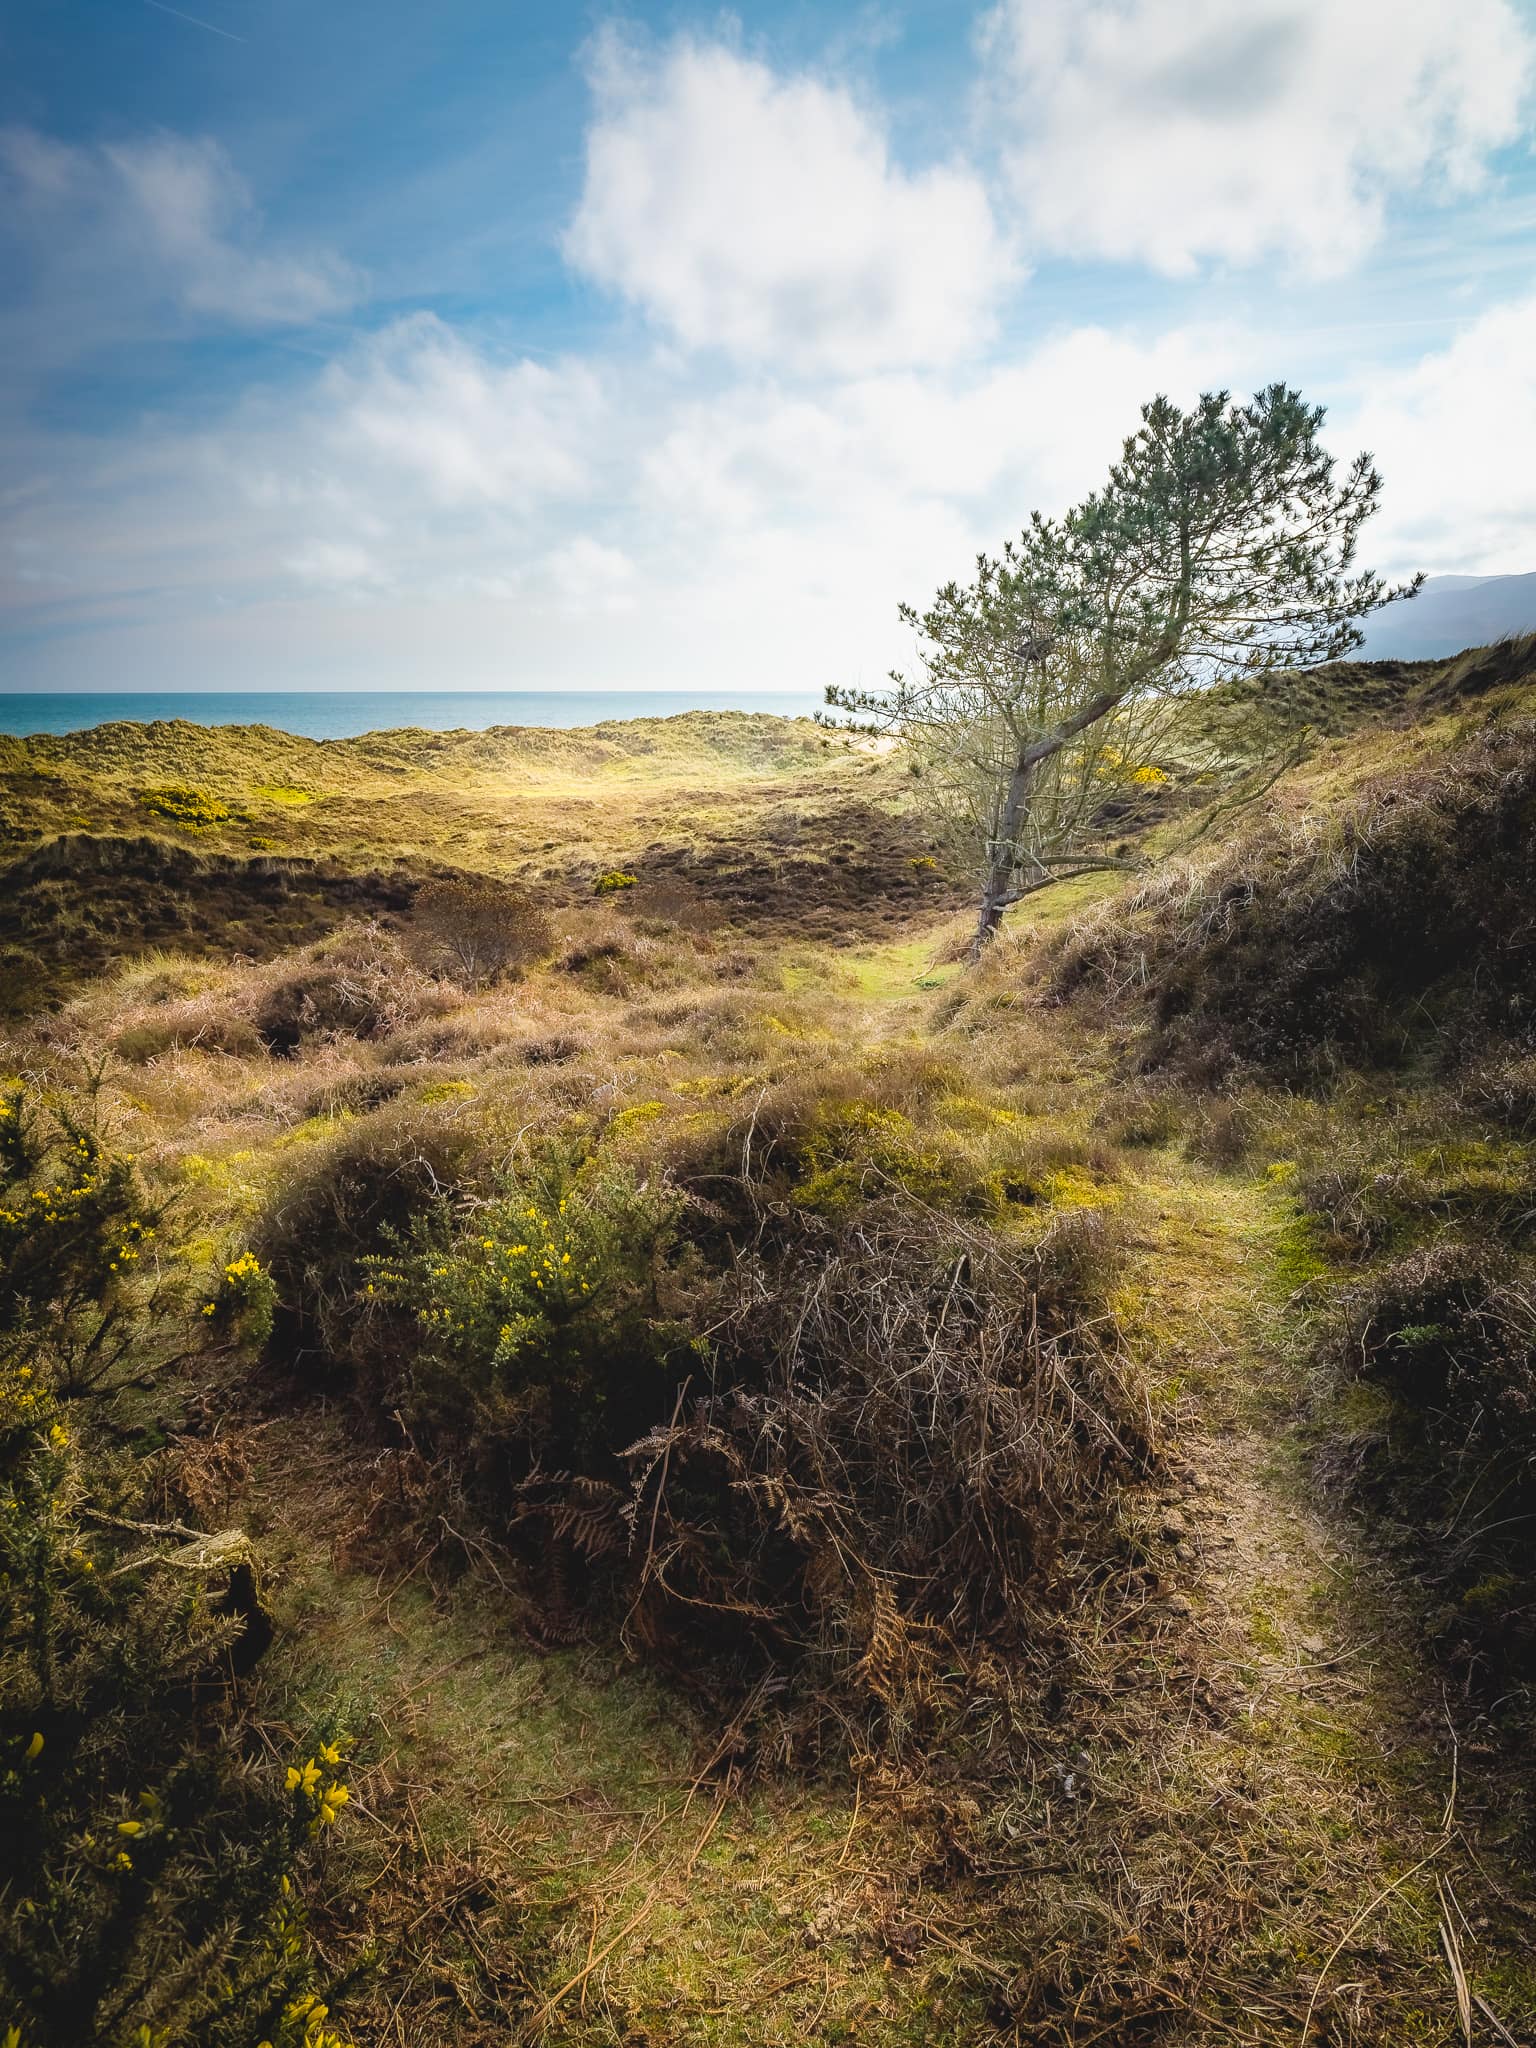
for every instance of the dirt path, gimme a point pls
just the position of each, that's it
(1325, 1741)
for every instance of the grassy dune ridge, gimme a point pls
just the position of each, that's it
(816, 1493)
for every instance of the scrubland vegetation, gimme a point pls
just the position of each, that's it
(603, 1443)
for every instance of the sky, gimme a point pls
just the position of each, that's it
(490, 345)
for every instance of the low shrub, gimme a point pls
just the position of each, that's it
(611, 961)
(1504, 1090)
(845, 1443)
(478, 932)
(550, 1318)
(358, 984)
(1378, 1190)
(186, 806)
(904, 1457)
(1448, 1332)
(610, 882)
(1141, 1117)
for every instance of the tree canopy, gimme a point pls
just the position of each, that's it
(1222, 543)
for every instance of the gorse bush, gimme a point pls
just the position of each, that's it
(81, 1276)
(154, 1860)
(344, 1202)
(153, 1866)
(548, 1314)
(243, 1303)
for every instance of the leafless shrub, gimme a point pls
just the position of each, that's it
(479, 932)
(910, 1428)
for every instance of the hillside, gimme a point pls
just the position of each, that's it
(621, 1450)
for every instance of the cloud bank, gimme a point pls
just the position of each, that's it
(764, 217)
(1174, 131)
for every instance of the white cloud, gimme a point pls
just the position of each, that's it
(1168, 131)
(117, 233)
(588, 575)
(427, 510)
(1452, 436)
(763, 216)
(417, 409)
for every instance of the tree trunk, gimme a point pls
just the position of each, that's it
(1003, 852)
(1002, 855)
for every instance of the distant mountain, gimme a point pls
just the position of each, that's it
(1450, 613)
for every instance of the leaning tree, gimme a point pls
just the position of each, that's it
(1222, 545)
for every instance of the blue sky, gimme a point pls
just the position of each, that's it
(516, 346)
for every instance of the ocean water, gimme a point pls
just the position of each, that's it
(342, 714)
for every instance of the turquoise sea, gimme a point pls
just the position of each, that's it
(342, 714)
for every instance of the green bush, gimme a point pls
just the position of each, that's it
(80, 1267)
(548, 1314)
(612, 881)
(154, 1857)
(186, 806)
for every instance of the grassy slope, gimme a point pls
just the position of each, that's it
(1242, 1815)
(723, 813)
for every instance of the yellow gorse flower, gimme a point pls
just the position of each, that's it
(324, 1796)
